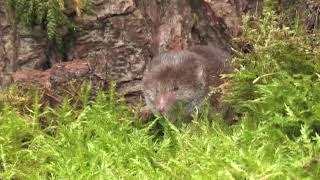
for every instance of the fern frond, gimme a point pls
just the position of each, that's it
(49, 14)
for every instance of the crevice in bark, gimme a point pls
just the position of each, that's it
(15, 41)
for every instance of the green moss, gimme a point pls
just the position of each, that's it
(278, 82)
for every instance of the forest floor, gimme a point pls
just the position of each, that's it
(276, 88)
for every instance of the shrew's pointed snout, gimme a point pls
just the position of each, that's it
(161, 109)
(165, 102)
(162, 104)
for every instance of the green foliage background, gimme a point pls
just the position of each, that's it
(278, 83)
(276, 88)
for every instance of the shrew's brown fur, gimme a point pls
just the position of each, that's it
(182, 78)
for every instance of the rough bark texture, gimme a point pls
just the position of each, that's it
(118, 41)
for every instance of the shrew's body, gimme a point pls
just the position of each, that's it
(180, 80)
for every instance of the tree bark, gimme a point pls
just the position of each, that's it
(123, 36)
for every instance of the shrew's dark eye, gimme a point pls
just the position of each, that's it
(176, 88)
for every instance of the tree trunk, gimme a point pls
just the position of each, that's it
(123, 35)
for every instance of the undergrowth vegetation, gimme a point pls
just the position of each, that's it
(278, 84)
(276, 89)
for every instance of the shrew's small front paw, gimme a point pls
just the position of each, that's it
(145, 114)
